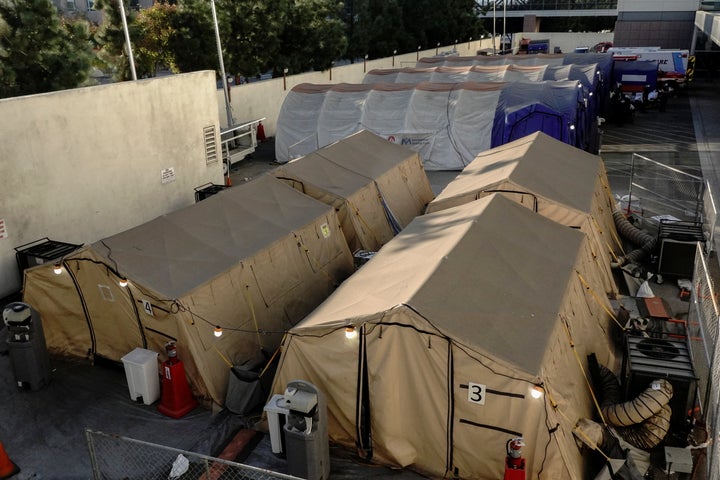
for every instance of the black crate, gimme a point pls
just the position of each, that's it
(204, 191)
(40, 252)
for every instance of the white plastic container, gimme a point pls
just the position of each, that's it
(276, 415)
(141, 371)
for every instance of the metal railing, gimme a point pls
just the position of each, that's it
(524, 5)
(659, 190)
(238, 141)
(114, 457)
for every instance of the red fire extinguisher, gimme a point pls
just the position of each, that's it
(514, 462)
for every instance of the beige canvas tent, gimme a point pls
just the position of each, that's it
(456, 320)
(253, 259)
(559, 181)
(377, 187)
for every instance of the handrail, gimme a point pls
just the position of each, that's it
(246, 129)
(244, 125)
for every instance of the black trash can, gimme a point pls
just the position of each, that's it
(26, 346)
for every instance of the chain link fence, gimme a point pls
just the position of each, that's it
(114, 457)
(711, 218)
(659, 190)
(703, 318)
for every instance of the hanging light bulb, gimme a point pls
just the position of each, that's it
(57, 268)
(218, 331)
(123, 282)
(537, 391)
(350, 332)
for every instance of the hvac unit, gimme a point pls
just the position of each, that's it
(677, 244)
(647, 359)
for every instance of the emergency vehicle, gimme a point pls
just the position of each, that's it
(674, 66)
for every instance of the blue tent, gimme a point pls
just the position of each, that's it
(635, 75)
(448, 124)
(555, 108)
(524, 120)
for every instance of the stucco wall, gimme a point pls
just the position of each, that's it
(254, 100)
(83, 164)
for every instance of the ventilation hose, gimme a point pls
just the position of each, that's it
(651, 432)
(648, 403)
(609, 387)
(636, 236)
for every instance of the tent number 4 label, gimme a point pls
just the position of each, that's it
(147, 307)
(476, 393)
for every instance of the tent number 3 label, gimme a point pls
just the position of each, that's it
(476, 393)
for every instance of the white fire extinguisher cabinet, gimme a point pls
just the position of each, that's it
(26, 346)
(306, 434)
(141, 371)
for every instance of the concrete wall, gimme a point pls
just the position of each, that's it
(709, 23)
(83, 164)
(657, 5)
(566, 41)
(254, 100)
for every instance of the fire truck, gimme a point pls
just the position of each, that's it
(674, 67)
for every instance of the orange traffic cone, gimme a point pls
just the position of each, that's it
(177, 399)
(7, 467)
(261, 132)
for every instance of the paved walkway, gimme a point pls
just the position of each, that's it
(705, 102)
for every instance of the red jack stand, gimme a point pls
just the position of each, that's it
(176, 398)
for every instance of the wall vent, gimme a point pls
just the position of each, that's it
(210, 145)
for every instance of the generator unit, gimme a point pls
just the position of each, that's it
(661, 357)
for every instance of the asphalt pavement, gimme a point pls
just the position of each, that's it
(43, 431)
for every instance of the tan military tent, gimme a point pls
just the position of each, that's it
(559, 181)
(253, 259)
(376, 186)
(457, 319)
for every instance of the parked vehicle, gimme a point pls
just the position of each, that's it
(674, 67)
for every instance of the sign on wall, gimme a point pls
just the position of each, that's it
(168, 175)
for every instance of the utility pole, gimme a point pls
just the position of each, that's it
(127, 40)
(504, 20)
(228, 108)
(494, 34)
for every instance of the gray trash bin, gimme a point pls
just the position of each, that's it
(306, 435)
(26, 346)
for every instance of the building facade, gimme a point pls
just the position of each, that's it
(659, 23)
(86, 8)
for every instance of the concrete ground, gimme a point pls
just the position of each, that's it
(43, 432)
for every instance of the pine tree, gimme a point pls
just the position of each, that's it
(39, 51)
